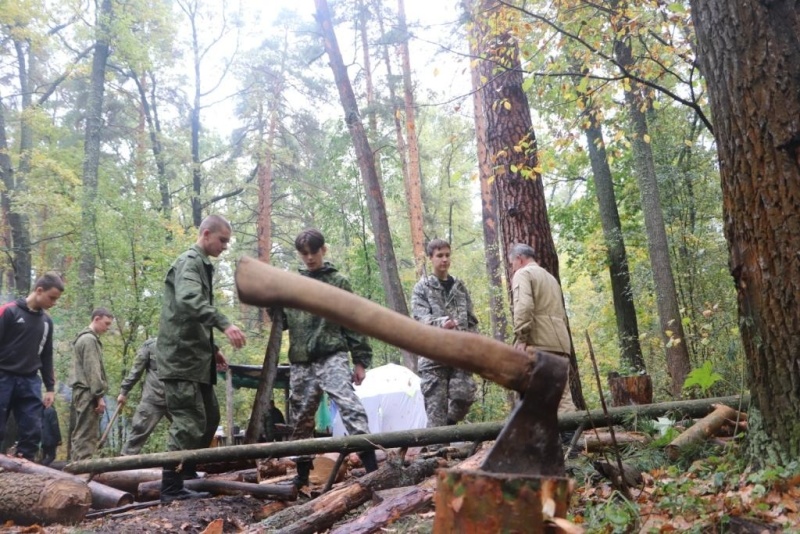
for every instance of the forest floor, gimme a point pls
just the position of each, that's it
(714, 492)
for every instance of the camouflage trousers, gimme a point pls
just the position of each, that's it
(195, 414)
(84, 425)
(333, 376)
(147, 416)
(448, 392)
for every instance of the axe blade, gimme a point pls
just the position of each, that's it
(530, 442)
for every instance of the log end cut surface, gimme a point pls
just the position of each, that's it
(27, 499)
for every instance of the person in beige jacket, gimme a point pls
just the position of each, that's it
(540, 320)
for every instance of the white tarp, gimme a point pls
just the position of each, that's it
(392, 398)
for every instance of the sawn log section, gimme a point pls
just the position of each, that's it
(406, 438)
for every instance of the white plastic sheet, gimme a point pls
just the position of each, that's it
(392, 399)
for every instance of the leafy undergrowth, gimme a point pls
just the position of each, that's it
(710, 495)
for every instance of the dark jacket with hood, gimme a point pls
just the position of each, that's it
(26, 342)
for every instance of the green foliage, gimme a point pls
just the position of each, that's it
(703, 377)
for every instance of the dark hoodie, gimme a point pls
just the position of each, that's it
(26, 342)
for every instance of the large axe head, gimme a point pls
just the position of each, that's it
(530, 443)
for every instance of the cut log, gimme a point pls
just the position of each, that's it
(102, 496)
(408, 501)
(630, 390)
(702, 430)
(271, 508)
(223, 465)
(388, 440)
(319, 514)
(273, 467)
(599, 440)
(323, 467)
(27, 498)
(152, 490)
(479, 501)
(128, 480)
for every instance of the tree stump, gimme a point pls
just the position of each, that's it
(28, 499)
(476, 502)
(630, 390)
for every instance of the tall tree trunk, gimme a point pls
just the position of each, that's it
(197, 170)
(150, 111)
(91, 159)
(366, 162)
(677, 354)
(414, 179)
(7, 287)
(750, 57)
(491, 243)
(513, 152)
(622, 293)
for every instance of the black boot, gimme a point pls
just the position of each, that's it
(304, 466)
(189, 471)
(369, 460)
(172, 488)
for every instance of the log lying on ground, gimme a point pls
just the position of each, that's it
(224, 464)
(388, 440)
(128, 480)
(323, 467)
(273, 467)
(152, 490)
(319, 514)
(102, 496)
(702, 429)
(593, 441)
(27, 498)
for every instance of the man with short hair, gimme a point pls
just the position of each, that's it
(441, 300)
(540, 320)
(89, 386)
(318, 355)
(186, 355)
(26, 349)
(152, 406)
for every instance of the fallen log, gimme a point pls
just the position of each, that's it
(128, 480)
(324, 466)
(102, 496)
(28, 498)
(388, 440)
(273, 467)
(594, 441)
(225, 465)
(152, 490)
(701, 430)
(410, 500)
(319, 514)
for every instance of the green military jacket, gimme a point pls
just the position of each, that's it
(313, 338)
(88, 371)
(153, 388)
(185, 349)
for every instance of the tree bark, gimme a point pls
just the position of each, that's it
(376, 519)
(102, 496)
(749, 56)
(91, 159)
(28, 499)
(150, 111)
(319, 514)
(513, 153)
(702, 430)
(632, 389)
(621, 290)
(414, 183)
(405, 438)
(491, 242)
(671, 325)
(150, 491)
(366, 163)
(128, 480)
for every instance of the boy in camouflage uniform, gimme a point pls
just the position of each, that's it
(89, 386)
(153, 405)
(318, 356)
(443, 301)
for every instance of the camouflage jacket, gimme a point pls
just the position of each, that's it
(88, 371)
(313, 338)
(185, 348)
(431, 304)
(153, 388)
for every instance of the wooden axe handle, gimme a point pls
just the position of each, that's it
(260, 284)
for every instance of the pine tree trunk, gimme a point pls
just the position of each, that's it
(91, 159)
(749, 55)
(366, 162)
